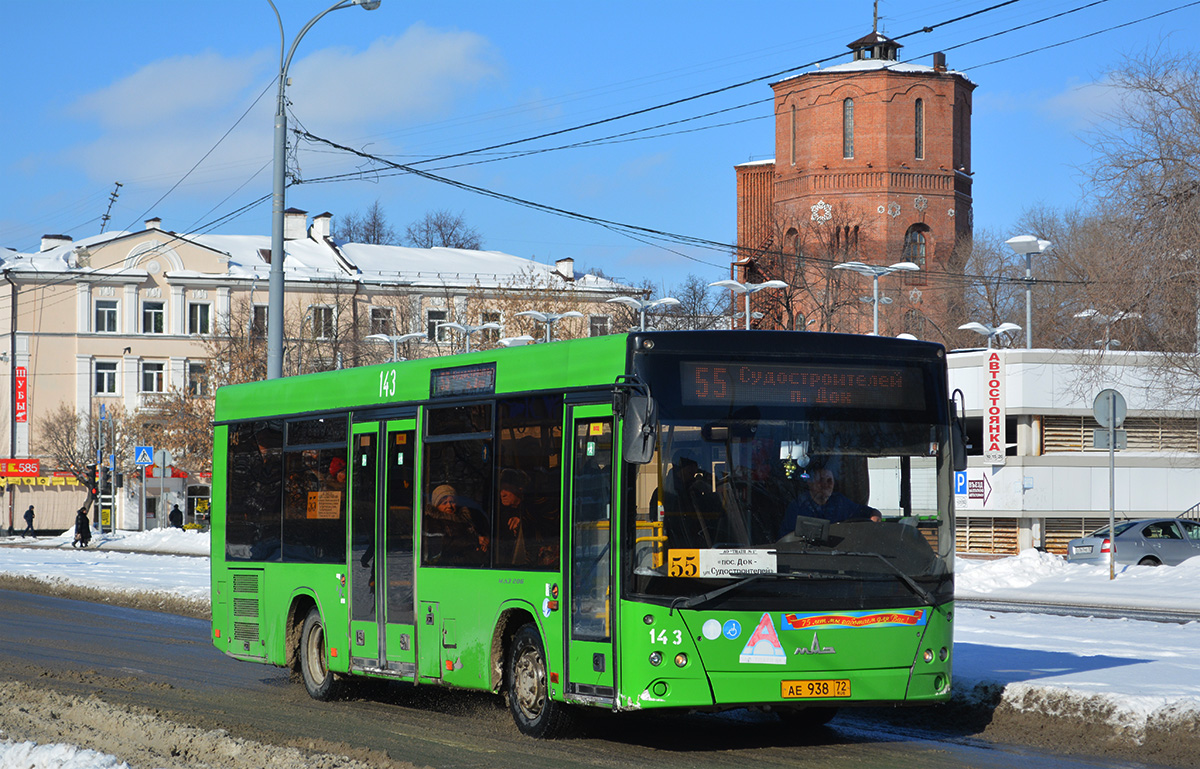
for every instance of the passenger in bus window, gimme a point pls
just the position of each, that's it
(821, 501)
(519, 530)
(464, 534)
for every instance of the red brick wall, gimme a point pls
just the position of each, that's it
(884, 189)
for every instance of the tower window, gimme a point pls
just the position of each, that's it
(915, 242)
(848, 128)
(919, 129)
(793, 127)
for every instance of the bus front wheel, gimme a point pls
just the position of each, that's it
(320, 683)
(528, 695)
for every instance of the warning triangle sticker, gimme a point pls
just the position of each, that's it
(763, 647)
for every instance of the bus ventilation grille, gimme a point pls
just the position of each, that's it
(245, 607)
(245, 631)
(245, 583)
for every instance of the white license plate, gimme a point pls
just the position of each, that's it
(1083, 548)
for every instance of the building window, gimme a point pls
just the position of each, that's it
(919, 130)
(599, 325)
(153, 314)
(433, 326)
(258, 321)
(106, 378)
(490, 335)
(848, 128)
(152, 377)
(197, 379)
(198, 319)
(381, 320)
(914, 251)
(106, 317)
(322, 321)
(793, 147)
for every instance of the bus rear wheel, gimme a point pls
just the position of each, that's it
(528, 694)
(320, 683)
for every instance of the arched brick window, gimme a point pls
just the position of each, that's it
(916, 243)
(848, 128)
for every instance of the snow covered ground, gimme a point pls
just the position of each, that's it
(1137, 672)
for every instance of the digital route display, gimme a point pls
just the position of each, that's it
(479, 379)
(852, 387)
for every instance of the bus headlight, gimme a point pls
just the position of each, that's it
(655, 658)
(943, 653)
(680, 660)
(929, 655)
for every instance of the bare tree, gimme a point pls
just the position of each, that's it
(1147, 180)
(370, 226)
(71, 440)
(443, 229)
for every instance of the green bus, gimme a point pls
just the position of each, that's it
(696, 520)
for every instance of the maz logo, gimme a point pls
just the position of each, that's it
(816, 648)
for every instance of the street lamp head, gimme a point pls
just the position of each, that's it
(368, 5)
(906, 266)
(1026, 245)
(378, 337)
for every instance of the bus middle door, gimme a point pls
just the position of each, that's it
(381, 547)
(590, 657)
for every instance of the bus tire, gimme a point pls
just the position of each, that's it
(320, 683)
(535, 714)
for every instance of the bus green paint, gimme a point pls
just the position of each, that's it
(464, 620)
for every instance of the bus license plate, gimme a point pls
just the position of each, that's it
(833, 687)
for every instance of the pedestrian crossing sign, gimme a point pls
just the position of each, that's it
(143, 455)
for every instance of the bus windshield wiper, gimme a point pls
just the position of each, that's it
(908, 581)
(696, 600)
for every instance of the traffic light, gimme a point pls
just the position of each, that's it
(120, 480)
(93, 486)
(106, 487)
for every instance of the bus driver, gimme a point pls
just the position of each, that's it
(821, 501)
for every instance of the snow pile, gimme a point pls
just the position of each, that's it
(30, 755)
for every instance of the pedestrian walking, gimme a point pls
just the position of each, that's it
(29, 523)
(83, 529)
(175, 517)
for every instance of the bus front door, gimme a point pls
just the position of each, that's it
(381, 547)
(590, 663)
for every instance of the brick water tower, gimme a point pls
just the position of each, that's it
(872, 164)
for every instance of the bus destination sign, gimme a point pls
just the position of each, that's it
(479, 379)
(852, 387)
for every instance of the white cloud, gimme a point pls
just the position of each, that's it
(167, 91)
(1082, 105)
(417, 75)
(155, 124)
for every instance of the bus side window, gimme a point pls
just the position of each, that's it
(529, 505)
(456, 517)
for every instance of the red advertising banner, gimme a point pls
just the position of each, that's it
(152, 472)
(20, 468)
(20, 413)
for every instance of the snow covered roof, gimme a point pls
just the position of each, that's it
(313, 258)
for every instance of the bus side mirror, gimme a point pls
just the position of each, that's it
(639, 429)
(958, 432)
(635, 408)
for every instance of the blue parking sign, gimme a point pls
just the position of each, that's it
(960, 483)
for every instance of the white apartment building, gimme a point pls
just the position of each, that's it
(1045, 482)
(119, 318)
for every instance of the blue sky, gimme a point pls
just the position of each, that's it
(161, 96)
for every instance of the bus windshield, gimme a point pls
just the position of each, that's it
(828, 512)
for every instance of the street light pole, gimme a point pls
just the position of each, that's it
(641, 304)
(1028, 245)
(875, 272)
(738, 287)
(279, 184)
